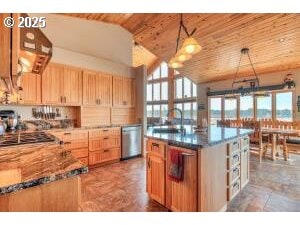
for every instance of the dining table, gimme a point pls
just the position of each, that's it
(280, 132)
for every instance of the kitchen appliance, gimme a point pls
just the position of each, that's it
(131, 141)
(10, 118)
(20, 138)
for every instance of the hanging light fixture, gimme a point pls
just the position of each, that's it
(189, 47)
(254, 82)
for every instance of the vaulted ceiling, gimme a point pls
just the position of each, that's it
(273, 40)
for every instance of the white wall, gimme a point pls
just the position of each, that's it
(89, 44)
(266, 79)
(67, 57)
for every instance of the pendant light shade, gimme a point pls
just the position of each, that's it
(182, 56)
(173, 63)
(191, 46)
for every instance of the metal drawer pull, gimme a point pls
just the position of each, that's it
(105, 130)
(67, 133)
(155, 144)
(106, 150)
(106, 138)
(187, 154)
(67, 143)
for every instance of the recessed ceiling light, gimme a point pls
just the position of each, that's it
(281, 40)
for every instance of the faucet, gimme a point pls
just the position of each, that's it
(182, 129)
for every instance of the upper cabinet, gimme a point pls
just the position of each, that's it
(72, 86)
(31, 85)
(97, 89)
(124, 92)
(62, 85)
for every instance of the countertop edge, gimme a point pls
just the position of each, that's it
(196, 146)
(43, 180)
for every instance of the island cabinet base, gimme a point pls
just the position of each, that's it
(212, 182)
(58, 196)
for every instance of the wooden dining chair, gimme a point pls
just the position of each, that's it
(258, 144)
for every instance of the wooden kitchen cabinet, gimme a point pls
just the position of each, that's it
(97, 89)
(52, 85)
(31, 93)
(61, 85)
(72, 86)
(104, 145)
(182, 196)
(156, 170)
(124, 91)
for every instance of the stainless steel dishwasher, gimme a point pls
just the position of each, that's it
(131, 141)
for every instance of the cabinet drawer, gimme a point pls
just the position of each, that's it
(71, 135)
(105, 132)
(233, 175)
(233, 147)
(104, 142)
(80, 153)
(69, 145)
(104, 155)
(233, 160)
(84, 160)
(245, 142)
(156, 147)
(233, 190)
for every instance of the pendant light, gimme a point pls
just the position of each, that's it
(189, 47)
(254, 82)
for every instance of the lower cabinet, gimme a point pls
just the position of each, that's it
(182, 196)
(104, 145)
(156, 177)
(104, 155)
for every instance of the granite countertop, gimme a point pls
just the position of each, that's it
(29, 165)
(195, 140)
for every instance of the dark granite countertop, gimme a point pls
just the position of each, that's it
(195, 140)
(26, 166)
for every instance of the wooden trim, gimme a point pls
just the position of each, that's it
(153, 67)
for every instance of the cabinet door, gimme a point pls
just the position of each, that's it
(127, 90)
(182, 196)
(72, 86)
(104, 89)
(31, 84)
(89, 88)
(52, 84)
(118, 91)
(244, 167)
(156, 178)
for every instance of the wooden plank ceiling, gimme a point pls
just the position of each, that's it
(273, 40)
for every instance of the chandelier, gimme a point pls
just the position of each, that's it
(189, 47)
(253, 83)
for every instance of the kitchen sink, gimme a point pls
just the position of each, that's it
(166, 130)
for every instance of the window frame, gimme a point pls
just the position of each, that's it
(273, 105)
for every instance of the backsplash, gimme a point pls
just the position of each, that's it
(26, 111)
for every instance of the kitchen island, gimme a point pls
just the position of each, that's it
(39, 177)
(215, 167)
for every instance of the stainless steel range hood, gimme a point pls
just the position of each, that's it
(21, 50)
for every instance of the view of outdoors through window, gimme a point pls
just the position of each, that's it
(157, 95)
(277, 105)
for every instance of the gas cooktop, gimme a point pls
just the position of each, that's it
(21, 138)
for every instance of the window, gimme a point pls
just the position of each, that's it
(157, 92)
(149, 111)
(230, 108)
(264, 107)
(178, 88)
(246, 107)
(149, 92)
(215, 110)
(185, 88)
(164, 90)
(277, 106)
(284, 106)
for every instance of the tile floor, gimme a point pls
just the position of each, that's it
(273, 186)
